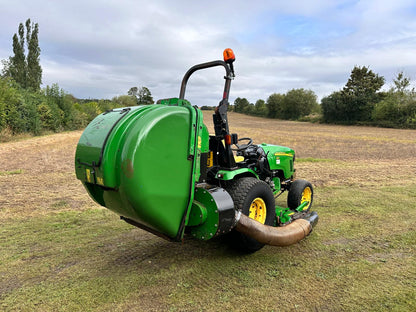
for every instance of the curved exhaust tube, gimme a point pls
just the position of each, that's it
(276, 236)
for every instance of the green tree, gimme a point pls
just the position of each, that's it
(106, 105)
(361, 93)
(205, 107)
(356, 101)
(241, 105)
(31, 100)
(274, 105)
(15, 67)
(20, 109)
(61, 107)
(398, 108)
(298, 103)
(260, 108)
(46, 116)
(363, 81)
(133, 91)
(401, 83)
(80, 117)
(124, 100)
(333, 107)
(34, 70)
(9, 99)
(53, 101)
(91, 110)
(250, 109)
(26, 71)
(144, 96)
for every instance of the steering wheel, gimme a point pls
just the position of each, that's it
(243, 146)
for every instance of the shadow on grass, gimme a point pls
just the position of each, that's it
(162, 253)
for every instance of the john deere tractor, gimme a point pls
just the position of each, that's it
(158, 167)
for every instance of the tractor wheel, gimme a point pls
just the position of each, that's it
(255, 199)
(299, 192)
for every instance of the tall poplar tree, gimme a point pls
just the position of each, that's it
(25, 70)
(34, 71)
(17, 63)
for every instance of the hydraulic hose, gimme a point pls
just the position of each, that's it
(276, 236)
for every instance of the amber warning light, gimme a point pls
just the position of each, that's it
(229, 56)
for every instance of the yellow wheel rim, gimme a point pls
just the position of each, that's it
(306, 196)
(258, 210)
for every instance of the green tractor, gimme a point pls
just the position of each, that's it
(158, 167)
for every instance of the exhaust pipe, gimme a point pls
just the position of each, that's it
(277, 236)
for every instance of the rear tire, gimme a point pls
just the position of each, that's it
(255, 199)
(299, 192)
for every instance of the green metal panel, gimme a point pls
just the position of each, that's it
(231, 174)
(148, 167)
(280, 158)
(93, 147)
(155, 172)
(198, 214)
(204, 139)
(217, 215)
(277, 185)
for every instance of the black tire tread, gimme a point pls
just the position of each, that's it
(239, 190)
(295, 193)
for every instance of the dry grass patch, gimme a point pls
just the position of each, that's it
(59, 251)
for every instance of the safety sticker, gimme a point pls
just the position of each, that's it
(87, 173)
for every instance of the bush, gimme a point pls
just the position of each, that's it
(275, 105)
(295, 104)
(397, 110)
(298, 103)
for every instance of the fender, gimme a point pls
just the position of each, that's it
(226, 175)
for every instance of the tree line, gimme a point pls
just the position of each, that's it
(50, 109)
(293, 105)
(362, 102)
(359, 102)
(26, 107)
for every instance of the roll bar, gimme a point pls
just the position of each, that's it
(220, 116)
(228, 77)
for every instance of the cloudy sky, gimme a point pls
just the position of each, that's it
(100, 49)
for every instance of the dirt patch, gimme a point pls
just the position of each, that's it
(46, 182)
(44, 179)
(329, 141)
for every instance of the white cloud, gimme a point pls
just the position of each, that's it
(97, 49)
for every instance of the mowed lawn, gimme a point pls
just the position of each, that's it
(59, 251)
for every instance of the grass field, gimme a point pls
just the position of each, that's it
(59, 251)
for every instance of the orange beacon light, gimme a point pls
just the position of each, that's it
(229, 56)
